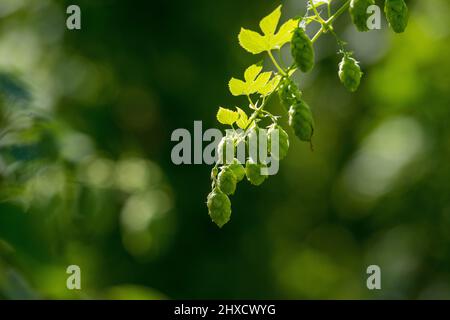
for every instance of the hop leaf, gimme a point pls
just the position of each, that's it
(255, 82)
(243, 121)
(259, 83)
(237, 87)
(270, 86)
(255, 43)
(227, 116)
(269, 24)
(252, 41)
(284, 35)
(252, 72)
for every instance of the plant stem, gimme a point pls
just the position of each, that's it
(318, 34)
(256, 113)
(282, 62)
(330, 20)
(280, 70)
(317, 13)
(250, 101)
(340, 11)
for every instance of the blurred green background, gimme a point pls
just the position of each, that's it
(86, 176)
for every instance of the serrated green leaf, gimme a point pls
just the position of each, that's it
(227, 116)
(255, 82)
(243, 118)
(255, 43)
(284, 35)
(260, 82)
(269, 23)
(270, 86)
(252, 72)
(252, 41)
(237, 87)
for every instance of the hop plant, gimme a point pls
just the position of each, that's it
(350, 73)
(301, 120)
(358, 12)
(253, 173)
(219, 207)
(396, 14)
(289, 93)
(258, 86)
(302, 50)
(238, 169)
(226, 181)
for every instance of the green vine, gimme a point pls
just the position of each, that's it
(259, 86)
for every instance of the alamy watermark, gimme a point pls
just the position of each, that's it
(73, 21)
(257, 145)
(73, 281)
(374, 19)
(374, 280)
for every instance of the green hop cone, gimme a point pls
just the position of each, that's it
(238, 169)
(214, 172)
(227, 181)
(302, 50)
(350, 73)
(396, 14)
(283, 141)
(288, 93)
(358, 12)
(253, 173)
(301, 120)
(219, 207)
